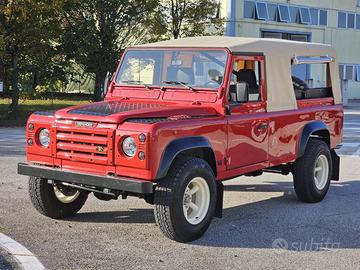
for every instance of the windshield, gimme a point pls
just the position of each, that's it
(185, 68)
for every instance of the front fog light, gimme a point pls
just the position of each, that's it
(129, 146)
(44, 137)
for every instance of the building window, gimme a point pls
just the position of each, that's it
(261, 11)
(341, 72)
(284, 13)
(285, 35)
(294, 14)
(358, 73)
(351, 20)
(273, 12)
(305, 16)
(348, 20)
(342, 18)
(272, 35)
(249, 8)
(314, 13)
(349, 72)
(323, 17)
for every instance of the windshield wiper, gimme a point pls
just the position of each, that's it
(178, 83)
(137, 83)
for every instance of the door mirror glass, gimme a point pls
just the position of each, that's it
(242, 92)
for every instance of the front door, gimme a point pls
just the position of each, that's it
(248, 123)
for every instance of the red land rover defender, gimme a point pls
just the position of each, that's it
(180, 117)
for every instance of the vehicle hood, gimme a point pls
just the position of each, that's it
(120, 111)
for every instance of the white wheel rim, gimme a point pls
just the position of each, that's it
(65, 198)
(321, 172)
(196, 200)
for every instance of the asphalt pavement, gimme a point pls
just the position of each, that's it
(264, 225)
(12, 142)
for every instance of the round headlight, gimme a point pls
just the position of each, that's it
(44, 137)
(129, 146)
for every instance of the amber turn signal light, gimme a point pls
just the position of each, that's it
(30, 142)
(141, 155)
(142, 137)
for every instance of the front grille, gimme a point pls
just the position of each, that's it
(85, 145)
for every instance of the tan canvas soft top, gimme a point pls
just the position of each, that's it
(279, 54)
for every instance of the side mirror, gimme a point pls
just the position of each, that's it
(242, 92)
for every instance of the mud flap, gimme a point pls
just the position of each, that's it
(335, 166)
(219, 199)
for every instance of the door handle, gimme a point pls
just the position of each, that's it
(262, 126)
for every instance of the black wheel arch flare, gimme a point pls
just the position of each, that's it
(178, 146)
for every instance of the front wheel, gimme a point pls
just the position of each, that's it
(185, 200)
(55, 200)
(312, 172)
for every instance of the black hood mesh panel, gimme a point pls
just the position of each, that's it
(112, 107)
(163, 119)
(45, 113)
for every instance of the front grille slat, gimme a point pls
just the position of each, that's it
(84, 145)
(82, 131)
(81, 138)
(82, 148)
(82, 157)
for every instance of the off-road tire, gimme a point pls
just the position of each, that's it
(303, 172)
(43, 198)
(168, 199)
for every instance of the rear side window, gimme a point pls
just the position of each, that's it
(311, 78)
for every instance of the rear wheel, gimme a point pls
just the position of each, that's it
(312, 172)
(185, 200)
(55, 200)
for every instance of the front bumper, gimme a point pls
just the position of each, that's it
(111, 182)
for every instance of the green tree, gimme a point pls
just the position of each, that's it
(185, 18)
(28, 30)
(97, 31)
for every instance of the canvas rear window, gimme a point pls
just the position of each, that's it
(311, 78)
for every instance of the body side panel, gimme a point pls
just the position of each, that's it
(211, 130)
(285, 131)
